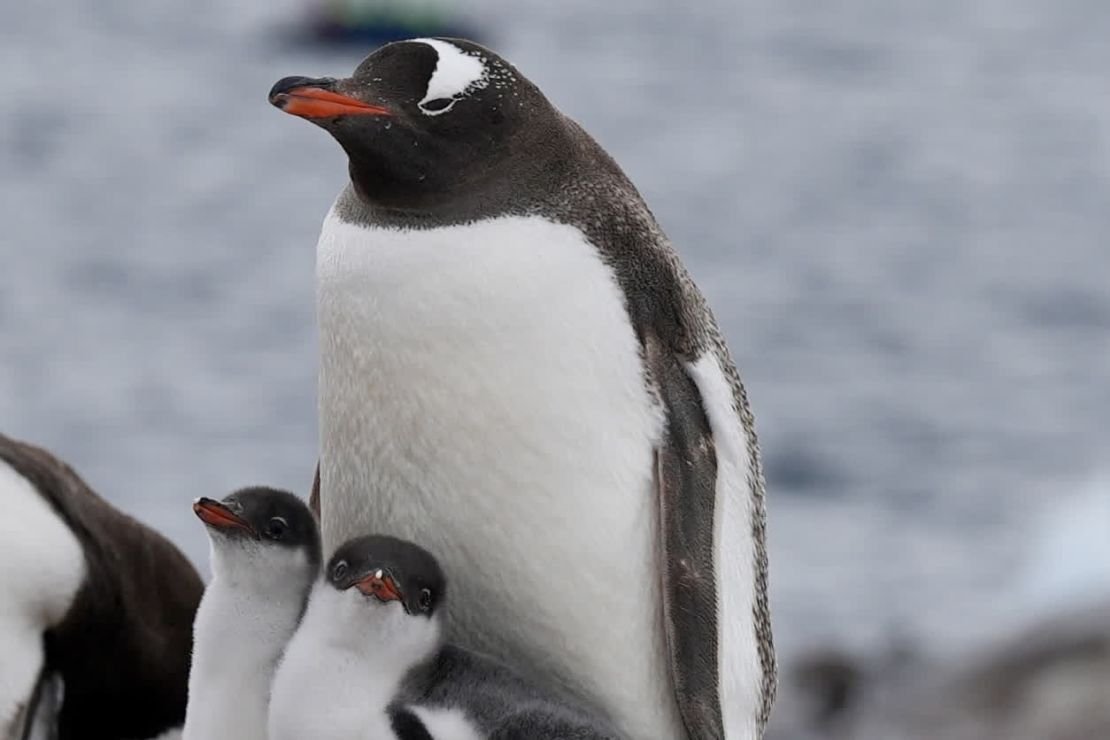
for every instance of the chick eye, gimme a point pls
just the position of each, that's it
(276, 528)
(339, 570)
(439, 105)
(425, 599)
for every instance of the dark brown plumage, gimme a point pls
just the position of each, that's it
(123, 649)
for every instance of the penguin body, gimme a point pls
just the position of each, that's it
(84, 587)
(463, 285)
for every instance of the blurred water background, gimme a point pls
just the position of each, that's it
(899, 211)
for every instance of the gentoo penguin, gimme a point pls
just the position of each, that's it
(92, 602)
(265, 549)
(369, 660)
(517, 371)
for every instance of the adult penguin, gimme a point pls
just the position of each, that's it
(517, 371)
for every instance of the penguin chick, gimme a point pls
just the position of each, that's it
(265, 554)
(370, 660)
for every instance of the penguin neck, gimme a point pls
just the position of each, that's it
(564, 188)
(345, 666)
(382, 638)
(256, 586)
(356, 205)
(248, 613)
(480, 196)
(273, 582)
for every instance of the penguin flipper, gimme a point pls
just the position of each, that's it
(685, 484)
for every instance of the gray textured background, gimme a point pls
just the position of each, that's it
(898, 210)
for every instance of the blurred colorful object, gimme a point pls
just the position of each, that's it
(380, 21)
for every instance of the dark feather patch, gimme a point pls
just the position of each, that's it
(123, 649)
(686, 483)
(407, 726)
(314, 495)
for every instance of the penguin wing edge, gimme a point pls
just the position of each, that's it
(685, 485)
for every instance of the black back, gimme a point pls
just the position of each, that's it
(124, 647)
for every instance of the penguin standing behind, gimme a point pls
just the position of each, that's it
(369, 661)
(265, 549)
(96, 610)
(517, 371)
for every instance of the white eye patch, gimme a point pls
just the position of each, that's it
(456, 73)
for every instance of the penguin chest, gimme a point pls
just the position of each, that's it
(486, 374)
(482, 393)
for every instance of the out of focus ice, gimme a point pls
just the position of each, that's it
(898, 210)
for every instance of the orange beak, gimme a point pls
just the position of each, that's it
(218, 515)
(315, 102)
(379, 585)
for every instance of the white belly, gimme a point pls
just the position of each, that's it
(42, 567)
(238, 638)
(481, 393)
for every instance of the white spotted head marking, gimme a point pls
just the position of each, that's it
(457, 72)
(405, 153)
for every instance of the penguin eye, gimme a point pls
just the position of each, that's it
(425, 599)
(276, 527)
(439, 105)
(339, 570)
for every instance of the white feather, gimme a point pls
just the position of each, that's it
(344, 665)
(482, 393)
(446, 724)
(247, 616)
(734, 554)
(42, 566)
(456, 72)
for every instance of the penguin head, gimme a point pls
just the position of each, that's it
(261, 535)
(426, 120)
(389, 575)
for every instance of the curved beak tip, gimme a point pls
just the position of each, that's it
(217, 514)
(286, 84)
